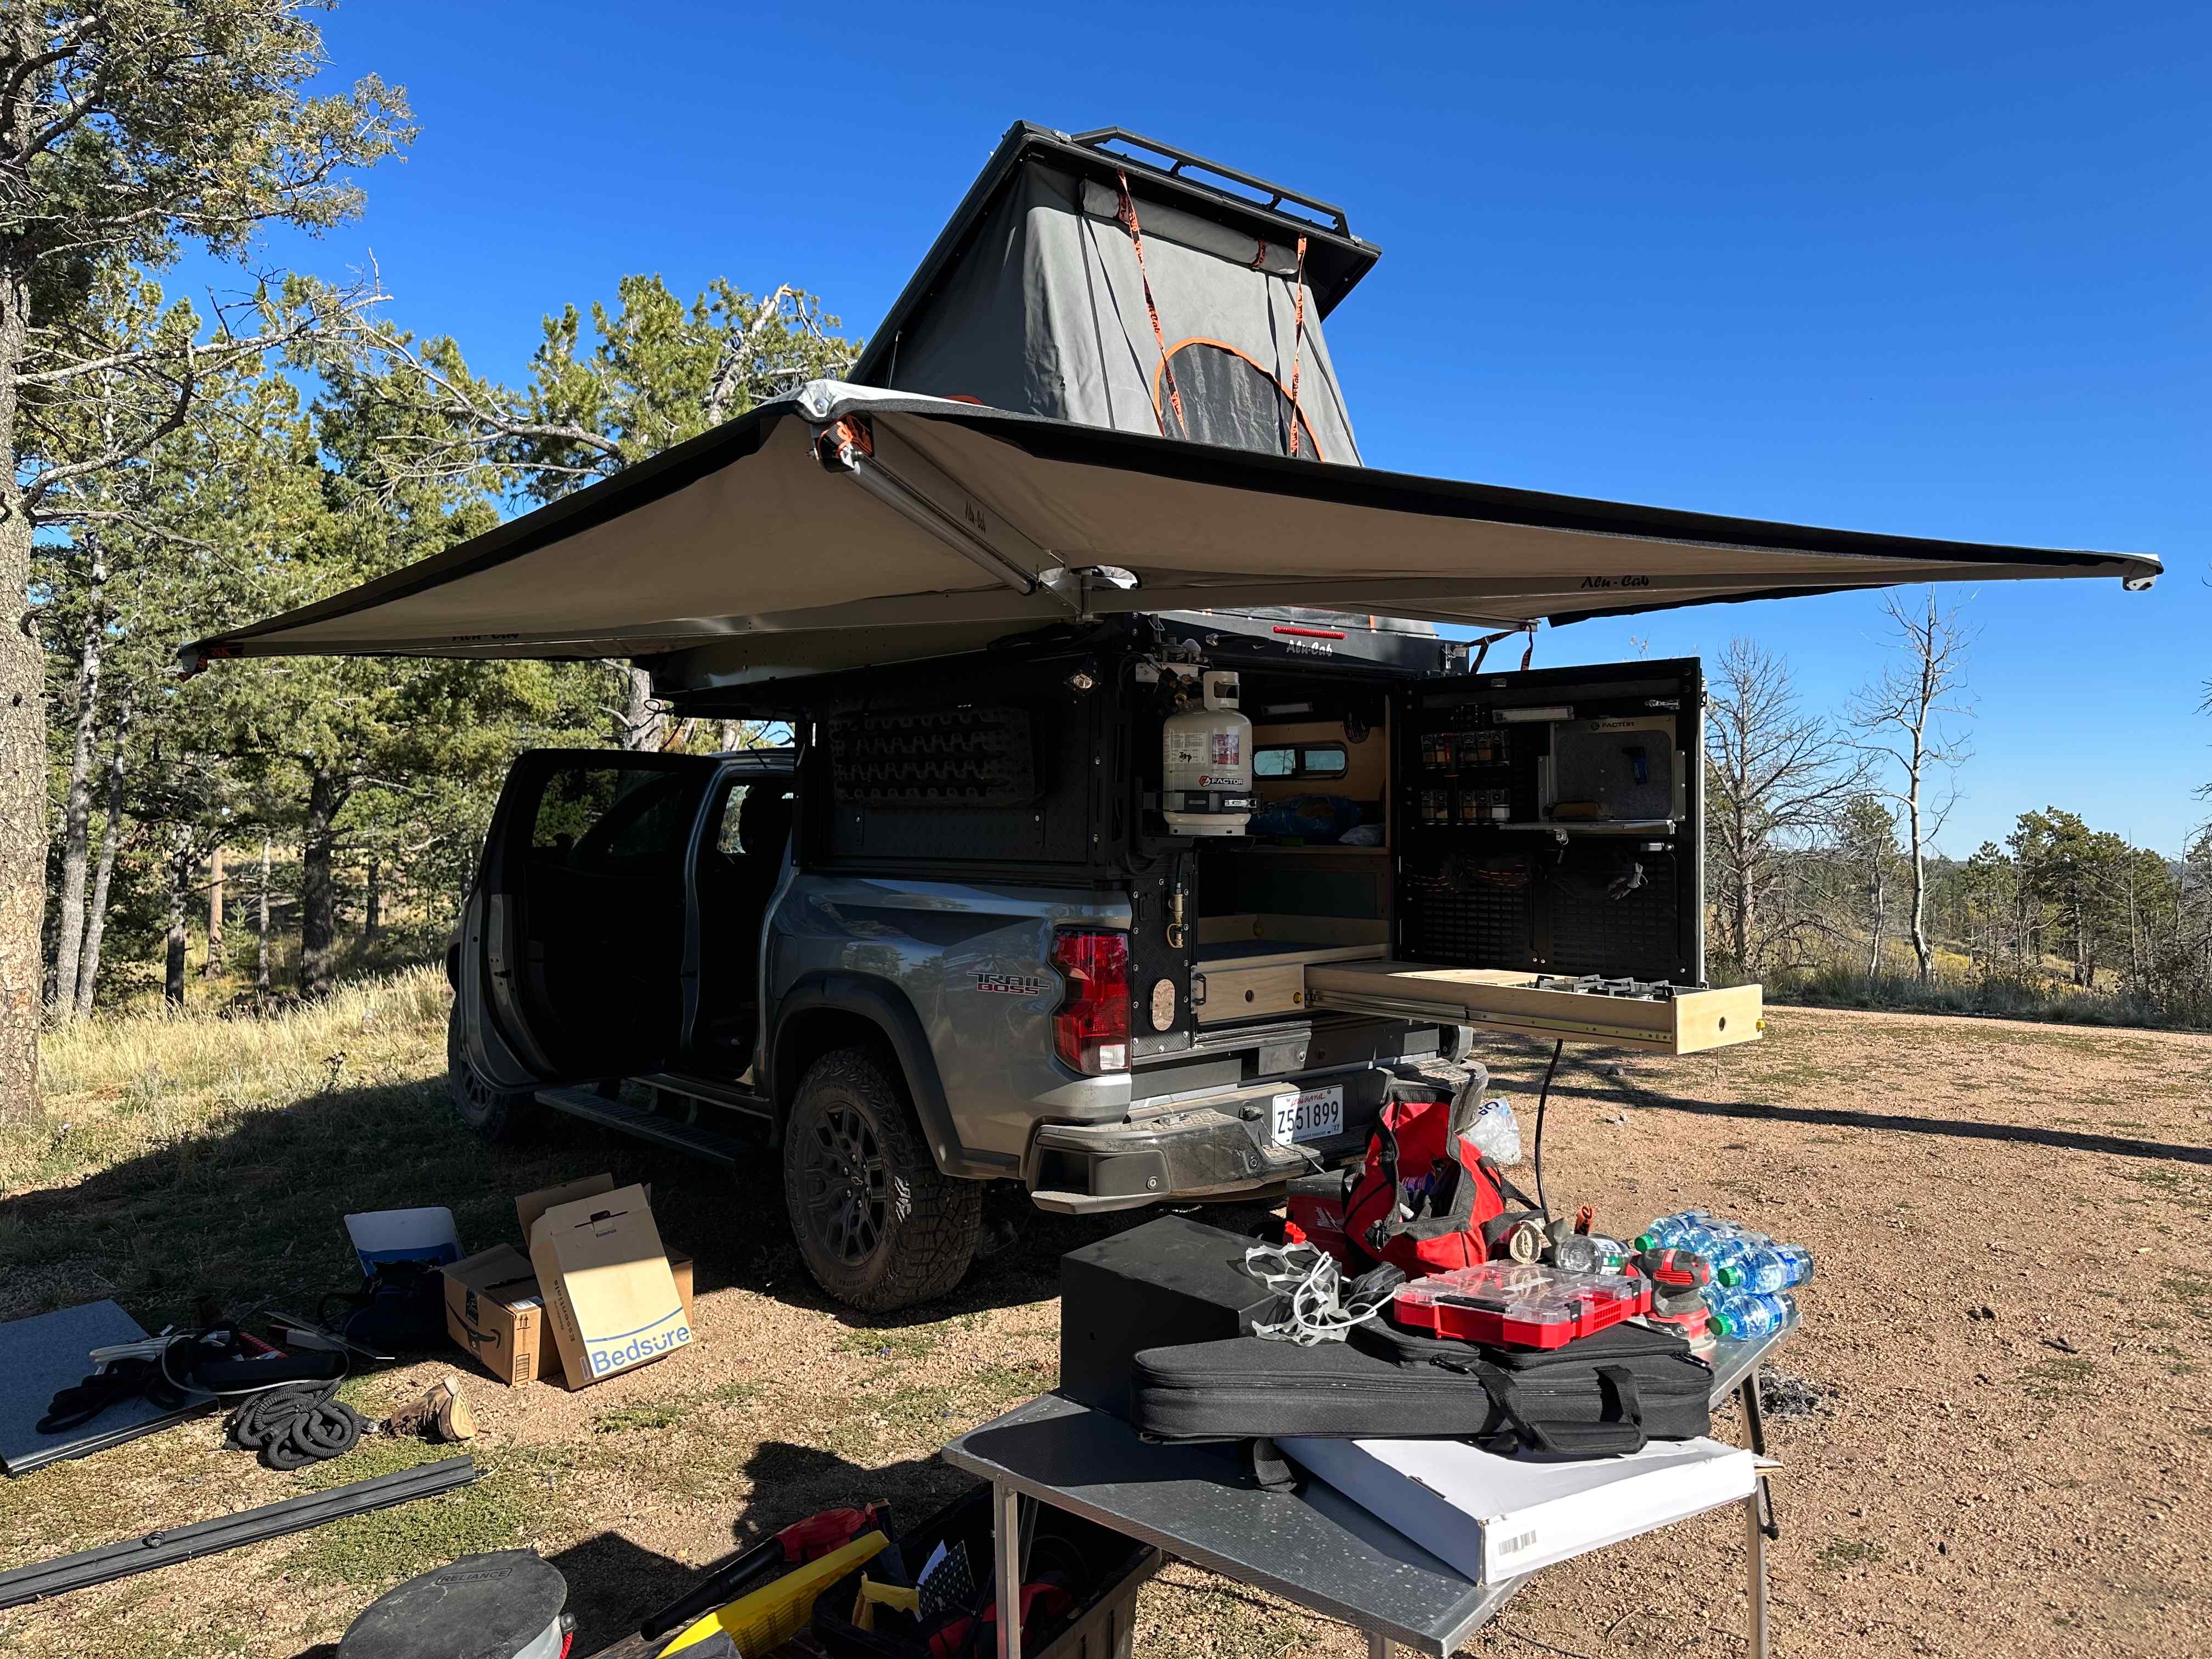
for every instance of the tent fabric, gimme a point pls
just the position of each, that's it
(1043, 313)
(747, 554)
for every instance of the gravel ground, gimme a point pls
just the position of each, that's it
(1998, 1442)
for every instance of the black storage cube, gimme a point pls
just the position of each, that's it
(1101, 1569)
(1168, 1282)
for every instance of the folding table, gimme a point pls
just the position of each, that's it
(1314, 1547)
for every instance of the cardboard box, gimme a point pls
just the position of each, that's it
(609, 1292)
(495, 1314)
(530, 1206)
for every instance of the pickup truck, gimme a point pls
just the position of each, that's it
(949, 938)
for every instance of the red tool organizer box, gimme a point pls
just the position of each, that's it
(1518, 1306)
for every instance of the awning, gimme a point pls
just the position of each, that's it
(846, 525)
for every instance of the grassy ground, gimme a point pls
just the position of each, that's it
(2007, 1341)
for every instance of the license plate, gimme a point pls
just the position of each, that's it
(1309, 1114)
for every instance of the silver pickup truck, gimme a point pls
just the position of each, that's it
(950, 936)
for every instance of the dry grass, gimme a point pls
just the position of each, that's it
(1955, 1494)
(154, 1052)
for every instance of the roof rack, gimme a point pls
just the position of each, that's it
(1278, 196)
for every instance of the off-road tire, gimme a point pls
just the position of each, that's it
(493, 1113)
(879, 1225)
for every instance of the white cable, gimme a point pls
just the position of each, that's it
(1308, 1274)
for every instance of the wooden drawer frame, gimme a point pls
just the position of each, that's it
(1505, 1001)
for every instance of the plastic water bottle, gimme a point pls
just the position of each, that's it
(1669, 1232)
(1800, 1262)
(1723, 1250)
(1776, 1268)
(1746, 1314)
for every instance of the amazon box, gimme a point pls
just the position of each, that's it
(610, 1297)
(494, 1312)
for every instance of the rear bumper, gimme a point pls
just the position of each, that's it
(1212, 1148)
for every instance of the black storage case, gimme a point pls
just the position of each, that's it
(1102, 1568)
(1168, 1282)
(1600, 1394)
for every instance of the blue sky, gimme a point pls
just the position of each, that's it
(1934, 270)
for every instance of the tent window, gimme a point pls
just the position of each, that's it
(1229, 399)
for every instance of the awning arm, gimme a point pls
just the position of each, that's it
(925, 495)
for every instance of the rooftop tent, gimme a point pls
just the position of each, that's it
(1079, 281)
(848, 525)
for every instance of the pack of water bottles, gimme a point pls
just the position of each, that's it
(1752, 1275)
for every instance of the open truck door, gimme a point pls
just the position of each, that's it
(573, 941)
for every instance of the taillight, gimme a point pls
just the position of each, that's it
(1091, 1030)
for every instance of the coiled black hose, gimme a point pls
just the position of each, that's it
(295, 1425)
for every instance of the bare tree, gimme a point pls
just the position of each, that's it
(1777, 779)
(1902, 718)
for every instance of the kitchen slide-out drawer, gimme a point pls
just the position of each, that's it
(1507, 1000)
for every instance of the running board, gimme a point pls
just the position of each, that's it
(642, 1123)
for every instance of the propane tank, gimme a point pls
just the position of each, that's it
(1206, 782)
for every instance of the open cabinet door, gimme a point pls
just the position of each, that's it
(1552, 821)
(1548, 827)
(572, 947)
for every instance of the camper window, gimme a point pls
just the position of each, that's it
(1290, 760)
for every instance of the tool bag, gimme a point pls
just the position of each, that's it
(1424, 1195)
(1606, 1392)
(1599, 1395)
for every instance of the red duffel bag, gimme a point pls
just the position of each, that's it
(1424, 1197)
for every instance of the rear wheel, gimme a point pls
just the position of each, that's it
(493, 1113)
(879, 1226)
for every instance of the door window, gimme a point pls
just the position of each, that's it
(612, 820)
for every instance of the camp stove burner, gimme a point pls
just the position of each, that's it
(1597, 985)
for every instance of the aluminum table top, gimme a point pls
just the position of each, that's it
(1314, 1547)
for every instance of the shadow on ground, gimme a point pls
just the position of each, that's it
(614, 1584)
(2068, 1140)
(250, 1215)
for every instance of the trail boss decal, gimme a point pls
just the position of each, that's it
(1011, 985)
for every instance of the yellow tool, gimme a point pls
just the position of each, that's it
(773, 1613)
(873, 1595)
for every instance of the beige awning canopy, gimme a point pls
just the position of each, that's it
(847, 526)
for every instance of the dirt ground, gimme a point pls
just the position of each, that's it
(2008, 1341)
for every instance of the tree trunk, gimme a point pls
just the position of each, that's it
(261, 929)
(1739, 903)
(22, 746)
(1879, 905)
(637, 725)
(76, 814)
(1922, 949)
(173, 964)
(95, 925)
(326, 794)
(213, 965)
(373, 905)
